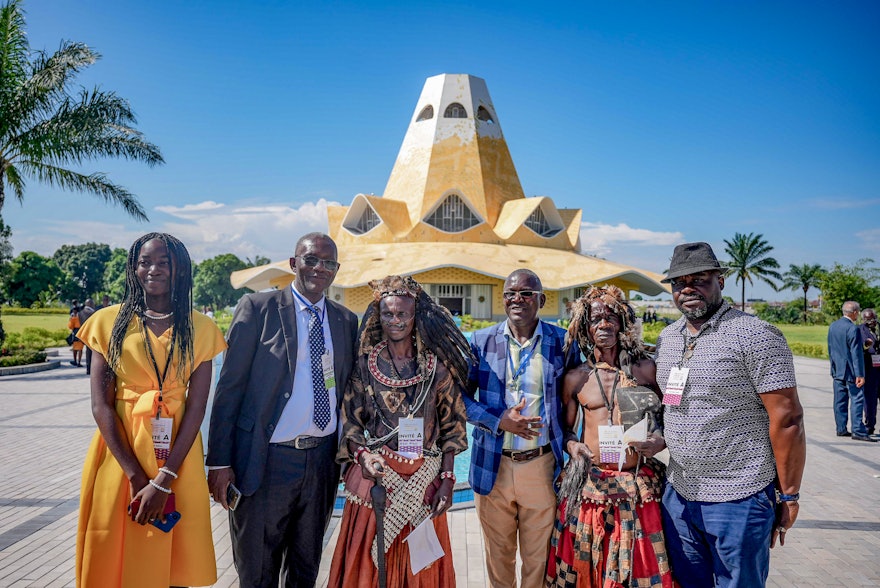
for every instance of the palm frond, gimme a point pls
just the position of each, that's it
(14, 53)
(96, 183)
(13, 179)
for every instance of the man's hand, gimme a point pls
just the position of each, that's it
(372, 466)
(521, 426)
(786, 515)
(650, 447)
(442, 498)
(860, 382)
(218, 483)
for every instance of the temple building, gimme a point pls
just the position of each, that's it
(454, 216)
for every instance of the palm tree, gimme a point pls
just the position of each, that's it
(804, 276)
(47, 126)
(749, 259)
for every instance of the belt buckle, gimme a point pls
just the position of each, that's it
(296, 442)
(524, 455)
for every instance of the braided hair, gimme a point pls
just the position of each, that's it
(434, 330)
(134, 302)
(629, 338)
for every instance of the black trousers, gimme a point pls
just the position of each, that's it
(277, 534)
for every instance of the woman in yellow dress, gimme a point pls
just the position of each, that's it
(77, 346)
(151, 375)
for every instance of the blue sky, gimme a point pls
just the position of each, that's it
(665, 122)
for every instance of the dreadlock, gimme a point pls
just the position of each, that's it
(628, 339)
(134, 302)
(434, 330)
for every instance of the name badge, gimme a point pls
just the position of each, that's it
(611, 446)
(875, 359)
(327, 368)
(675, 386)
(411, 437)
(162, 428)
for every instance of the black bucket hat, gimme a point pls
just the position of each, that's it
(692, 258)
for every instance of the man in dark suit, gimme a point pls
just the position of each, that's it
(871, 345)
(274, 420)
(848, 371)
(513, 401)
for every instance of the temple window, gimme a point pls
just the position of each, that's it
(453, 215)
(427, 113)
(483, 115)
(538, 223)
(455, 110)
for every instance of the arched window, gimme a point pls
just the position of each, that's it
(455, 110)
(483, 115)
(427, 113)
(361, 218)
(538, 223)
(453, 215)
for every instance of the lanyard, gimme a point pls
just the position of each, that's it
(149, 348)
(608, 404)
(523, 362)
(690, 343)
(312, 308)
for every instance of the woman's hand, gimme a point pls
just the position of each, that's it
(372, 466)
(152, 504)
(653, 445)
(578, 450)
(442, 498)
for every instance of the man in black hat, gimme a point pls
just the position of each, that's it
(734, 427)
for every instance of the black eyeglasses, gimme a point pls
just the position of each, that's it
(312, 261)
(525, 294)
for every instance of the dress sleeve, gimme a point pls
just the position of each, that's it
(208, 338)
(95, 332)
(451, 415)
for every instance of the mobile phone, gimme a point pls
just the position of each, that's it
(135, 506)
(233, 495)
(170, 520)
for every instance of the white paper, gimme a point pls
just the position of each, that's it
(637, 432)
(424, 546)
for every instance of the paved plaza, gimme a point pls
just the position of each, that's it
(46, 426)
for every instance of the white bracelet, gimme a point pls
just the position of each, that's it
(160, 488)
(165, 470)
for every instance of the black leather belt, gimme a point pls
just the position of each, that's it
(303, 442)
(527, 454)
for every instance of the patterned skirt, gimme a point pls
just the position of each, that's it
(610, 535)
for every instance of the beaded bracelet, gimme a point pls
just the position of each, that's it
(165, 470)
(448, 476)
(357, 454)
(160, 488)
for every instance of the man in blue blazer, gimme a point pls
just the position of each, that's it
(274, 420)
(513, 401)
(848, 371)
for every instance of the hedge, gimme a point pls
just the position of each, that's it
(25, 357)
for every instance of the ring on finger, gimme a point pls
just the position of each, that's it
(781, 530)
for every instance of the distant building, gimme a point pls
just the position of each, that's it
(454, 216)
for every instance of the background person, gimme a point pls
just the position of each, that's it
(513, 401)
(87, 310)
(152, 363)
(274, 420)
(76, 346)
(848, 371)
(870, 337)
(412, 364)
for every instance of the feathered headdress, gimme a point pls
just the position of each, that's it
(434, 329)
(630, 337)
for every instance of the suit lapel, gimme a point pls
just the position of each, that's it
(287, 316)
(501, 349)
(337, 336)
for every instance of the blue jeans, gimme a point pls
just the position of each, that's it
(848, 395)
(719, 543)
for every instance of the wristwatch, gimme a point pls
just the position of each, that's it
(780, 497)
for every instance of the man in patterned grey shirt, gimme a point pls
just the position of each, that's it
(734, 427)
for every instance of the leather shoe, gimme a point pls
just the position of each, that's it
(844, 434)
(860, 438)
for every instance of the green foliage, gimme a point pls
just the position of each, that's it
(223, 318)
(789, 313)
(13, 310)
(651, 331)
(749, 259)
(36, 338)
(468, 323)
(114, 274)
(25, 357)
(28, 275)
(850, 282)
(49, 128)
(85, 264)
(803, 277)
(809, 350)
(211, 285)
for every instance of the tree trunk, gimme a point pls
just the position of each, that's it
(805, 303)
(744, 297)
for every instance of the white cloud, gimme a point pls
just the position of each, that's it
(870, 239)
(600, 239)
(833, 203)
(190, 209)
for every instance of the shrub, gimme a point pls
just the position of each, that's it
(25, 357)
(36, 338)
(651, 331)
(469, 323)
(44, 310)
(809, 350)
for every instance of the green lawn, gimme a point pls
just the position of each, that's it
(16, 323)
(807, 334)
